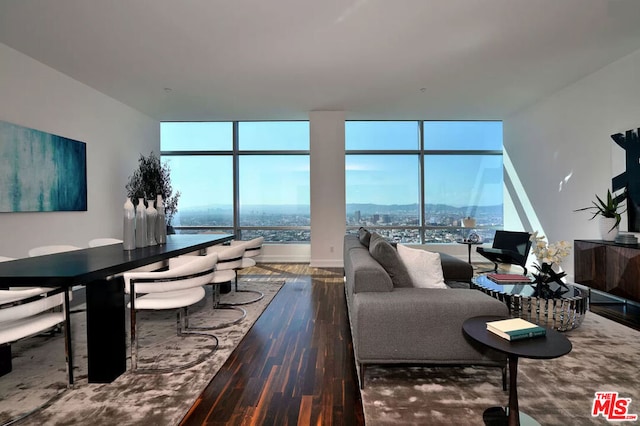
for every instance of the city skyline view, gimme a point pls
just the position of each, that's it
(443, 223)
(455, 168)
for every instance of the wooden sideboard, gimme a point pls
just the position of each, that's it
(609, 267)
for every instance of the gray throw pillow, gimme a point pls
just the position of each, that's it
(388, 258)
(364, 236)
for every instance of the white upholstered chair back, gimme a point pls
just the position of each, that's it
(229, 257)
(27, 311)
(252, 247)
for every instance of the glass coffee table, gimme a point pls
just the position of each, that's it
(562, 313)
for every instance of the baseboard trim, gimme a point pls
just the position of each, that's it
(326, 263)
(288, 258)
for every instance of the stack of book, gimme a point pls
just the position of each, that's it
(515, 329)
(508, 278)
(627, 239)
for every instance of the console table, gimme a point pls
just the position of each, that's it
(93, 267)
(609, 267)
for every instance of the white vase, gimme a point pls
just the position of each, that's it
(606, 231)
(152, 215)
(129, 226)
(141, 224)
(161, 226)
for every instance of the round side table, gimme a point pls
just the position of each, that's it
(469, 243)
(553, 345)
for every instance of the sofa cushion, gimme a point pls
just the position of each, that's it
(423, 266)
(364, 236)
(388, 257)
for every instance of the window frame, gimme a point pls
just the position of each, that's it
(421, 152)
(236, 153)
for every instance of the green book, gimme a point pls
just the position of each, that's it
(516, 329)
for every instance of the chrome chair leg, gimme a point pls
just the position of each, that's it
(259, 294)
(183, 330)
(217, 305)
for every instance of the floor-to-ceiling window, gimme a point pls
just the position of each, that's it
(414, 181)
(383, 177)
(249, 178)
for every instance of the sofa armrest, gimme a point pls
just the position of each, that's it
(364, 274)
(418, 323)
(454, 269)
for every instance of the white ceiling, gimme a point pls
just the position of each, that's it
(280, 59)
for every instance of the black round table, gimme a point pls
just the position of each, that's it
(469, 243)
(553, 345)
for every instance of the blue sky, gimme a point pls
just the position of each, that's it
(457, 180)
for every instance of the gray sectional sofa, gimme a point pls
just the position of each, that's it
(407, 325)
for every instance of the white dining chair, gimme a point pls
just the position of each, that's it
(229, 258)
(28, 311)
(178, 287)
(252, 249)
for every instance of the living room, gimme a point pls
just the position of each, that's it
(564, 125)
(561, 77)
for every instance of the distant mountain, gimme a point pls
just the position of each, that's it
(364, 208)
(380, 208)
(255, 208)
(394, 208)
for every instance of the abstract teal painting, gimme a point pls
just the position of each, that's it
(41, 172)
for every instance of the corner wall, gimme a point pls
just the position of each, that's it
(36, 96)
(561, 149)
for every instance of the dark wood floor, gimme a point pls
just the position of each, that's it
(295, 366)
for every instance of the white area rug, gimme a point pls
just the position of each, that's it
(559, 391)
(160, 399)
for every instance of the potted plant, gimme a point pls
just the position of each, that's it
(609, 212)
(150, 179)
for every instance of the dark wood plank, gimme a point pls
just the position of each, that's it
(295, 366)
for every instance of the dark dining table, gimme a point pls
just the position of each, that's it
(95, 268)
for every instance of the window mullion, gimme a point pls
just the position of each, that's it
(236, 185)
(423, 213)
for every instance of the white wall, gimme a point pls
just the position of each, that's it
(36, 96)
(328, 213)
(561, 148)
